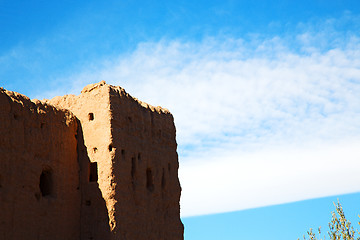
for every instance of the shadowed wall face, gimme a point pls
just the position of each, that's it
(92, 108)
(39, 183)
(146, 165)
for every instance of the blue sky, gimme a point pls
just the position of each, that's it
(264, 95)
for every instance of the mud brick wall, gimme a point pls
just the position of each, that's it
(98, 166)
(39, 183)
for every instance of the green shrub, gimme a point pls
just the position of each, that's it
(339, 228)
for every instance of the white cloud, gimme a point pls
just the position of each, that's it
(257, 123)
(236, 180)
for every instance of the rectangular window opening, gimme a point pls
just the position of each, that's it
(149, 180)
(93, 175)
(46, 183)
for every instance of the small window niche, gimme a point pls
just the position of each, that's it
(123, 155)
(111, 148)
(46, 183)
(163, 181)
(149, 180)
(93, 172)
(91, 116)
(133, 167)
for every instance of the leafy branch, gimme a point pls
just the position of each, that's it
(339, 228)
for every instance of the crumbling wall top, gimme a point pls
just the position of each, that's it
(93, 86)
(122, 92)
(34, 105)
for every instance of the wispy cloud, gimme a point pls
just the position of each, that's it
(260, 121)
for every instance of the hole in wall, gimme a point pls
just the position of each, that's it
(130, 119)
(133, 167)
(93, 172)
(46, 183)
(133, 172)
(95, 149)
(42, 125)
(91, 116)
(163, 183)
(16, 117)
(149, 180)
(110, 147)
(122, 155)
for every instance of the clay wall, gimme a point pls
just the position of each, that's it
(134, 147)
(92, 108)
(39, 183)
(145, 163)
(111, 172)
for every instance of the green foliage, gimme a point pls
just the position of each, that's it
(339, 228)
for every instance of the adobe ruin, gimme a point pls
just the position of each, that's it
(100, 165)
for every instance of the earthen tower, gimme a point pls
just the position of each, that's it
(101, 165)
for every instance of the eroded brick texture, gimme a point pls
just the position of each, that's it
(39, 188)
(111, 172)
